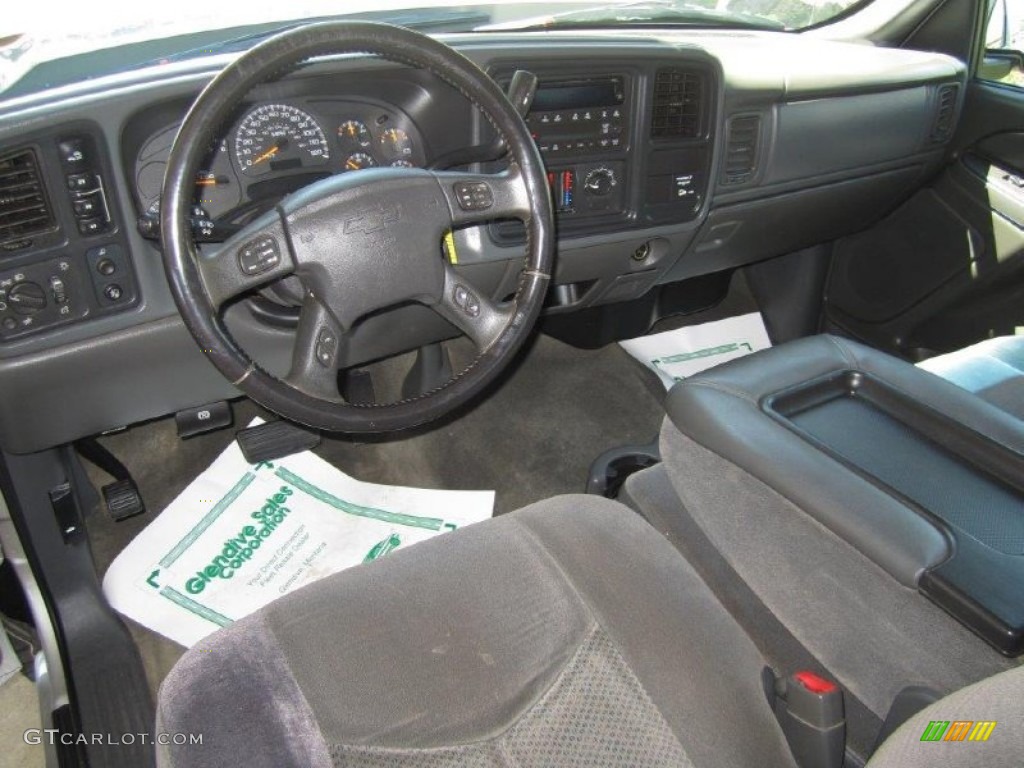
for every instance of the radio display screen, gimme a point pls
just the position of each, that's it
(589, 93)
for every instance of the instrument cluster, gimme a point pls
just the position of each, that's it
(283, 143)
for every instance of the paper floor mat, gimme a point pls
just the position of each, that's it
(676, 355)
(242, 535)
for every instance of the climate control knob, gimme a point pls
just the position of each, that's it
(600, 182)
(26, 298)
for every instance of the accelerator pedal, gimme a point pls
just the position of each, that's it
(275, 440)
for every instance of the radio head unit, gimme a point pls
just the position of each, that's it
(580, 116)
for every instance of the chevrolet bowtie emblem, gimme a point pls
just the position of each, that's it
(372, 220)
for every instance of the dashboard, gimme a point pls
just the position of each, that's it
(667, 157)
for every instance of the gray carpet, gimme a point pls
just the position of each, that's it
(532, 437)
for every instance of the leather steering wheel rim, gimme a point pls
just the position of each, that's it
(195, 280)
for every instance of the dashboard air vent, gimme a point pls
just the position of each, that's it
(678, 103)
(744, 134)
(945, 112)
(24, 209)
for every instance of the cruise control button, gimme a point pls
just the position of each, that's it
(113, 292)
(259, 255)
(106, 267)
(466, 301)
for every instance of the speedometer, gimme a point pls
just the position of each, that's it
(278, 137)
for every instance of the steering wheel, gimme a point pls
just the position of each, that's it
(359, 242)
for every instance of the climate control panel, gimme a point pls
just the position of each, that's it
(63, 289)
(588, 189)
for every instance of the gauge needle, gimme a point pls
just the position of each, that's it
(266, 155)
(271, 152)
(352, 165)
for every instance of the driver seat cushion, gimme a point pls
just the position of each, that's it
(567, 633)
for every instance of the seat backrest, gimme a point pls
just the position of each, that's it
(981, 726)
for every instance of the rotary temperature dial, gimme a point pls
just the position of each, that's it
(600, 182)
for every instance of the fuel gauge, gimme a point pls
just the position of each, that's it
(359, 160)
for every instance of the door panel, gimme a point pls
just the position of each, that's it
(947, 268)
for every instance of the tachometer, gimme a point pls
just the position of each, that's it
(275, 137)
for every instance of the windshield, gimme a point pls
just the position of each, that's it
(47, 43)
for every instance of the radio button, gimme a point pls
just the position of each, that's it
(473, 195)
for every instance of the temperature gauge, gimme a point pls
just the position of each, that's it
(396, 144)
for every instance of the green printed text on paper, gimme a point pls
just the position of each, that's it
(237, 550)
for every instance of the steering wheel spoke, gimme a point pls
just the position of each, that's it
(472, 312)
(257, 255)
(478, 197)
(317, 349)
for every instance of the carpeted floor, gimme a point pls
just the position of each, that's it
(532, 437)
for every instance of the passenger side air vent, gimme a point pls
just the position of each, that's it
(744, 135)
(946, 111)
(678, 104)
(24, 209)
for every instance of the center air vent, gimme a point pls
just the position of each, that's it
(678, 104)
(744, 135)
(24, 210)
(944, 113)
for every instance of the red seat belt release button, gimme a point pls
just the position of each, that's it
(812, 714)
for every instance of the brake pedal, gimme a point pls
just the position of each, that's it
(123, 499)
(274, 440)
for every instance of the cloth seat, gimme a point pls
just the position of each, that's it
(569, 633)
(992, 369)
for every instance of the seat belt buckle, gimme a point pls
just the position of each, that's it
(812, 714)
